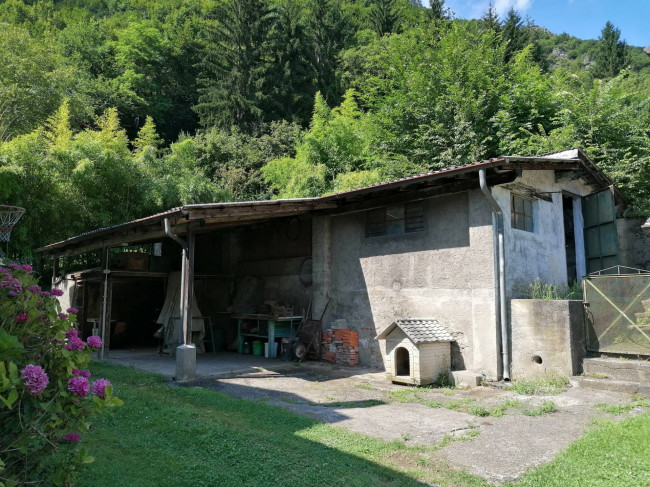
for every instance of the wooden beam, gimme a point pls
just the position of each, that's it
(546, 166)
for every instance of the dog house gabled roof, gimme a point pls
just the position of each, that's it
(419, 330)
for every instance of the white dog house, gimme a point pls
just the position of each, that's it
(415, 351)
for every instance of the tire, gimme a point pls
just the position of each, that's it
(300, 351)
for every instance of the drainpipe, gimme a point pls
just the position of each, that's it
(184, 246)
(500, 275)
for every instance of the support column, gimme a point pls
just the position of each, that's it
(186, 352)
(321, 263)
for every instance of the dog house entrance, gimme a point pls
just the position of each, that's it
(402, 362)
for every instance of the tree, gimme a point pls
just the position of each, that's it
(233, 69)
(385, 17)
(329, 31)
(512, 35)
(491, 19)
(291, 79)
(438, 10)
(613, 54)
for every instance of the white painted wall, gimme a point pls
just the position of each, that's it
(541, 253)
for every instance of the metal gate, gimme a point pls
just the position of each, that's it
(617, 311)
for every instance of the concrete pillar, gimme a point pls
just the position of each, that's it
(321, 263)
(185, 363)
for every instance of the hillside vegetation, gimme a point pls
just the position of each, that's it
(115, 109)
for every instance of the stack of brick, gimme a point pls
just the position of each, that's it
(341, 347)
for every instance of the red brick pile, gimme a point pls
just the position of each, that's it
(341, 347)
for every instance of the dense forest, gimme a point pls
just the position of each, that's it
(115, 109)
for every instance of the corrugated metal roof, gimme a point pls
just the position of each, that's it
(260, 206)
(419, 330)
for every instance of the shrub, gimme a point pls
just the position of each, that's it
(46, 395)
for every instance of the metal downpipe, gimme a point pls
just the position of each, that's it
(184, 246)
(500, 276)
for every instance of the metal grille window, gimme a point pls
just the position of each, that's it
(522, 213)
(395, 220)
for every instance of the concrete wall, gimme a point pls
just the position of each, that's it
(633, 243)
(445, 272)
(547, 336)
(275, 253)
(427, 360)
(541, 253)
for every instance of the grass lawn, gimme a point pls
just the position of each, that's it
(611, 455)
(173, 436)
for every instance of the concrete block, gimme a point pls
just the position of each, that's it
(547, 336)
(465, 378)
(185, 363)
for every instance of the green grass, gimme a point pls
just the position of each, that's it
(187, 436)
(551, 384)
(545, 408)
(637, 402)
(612, 455)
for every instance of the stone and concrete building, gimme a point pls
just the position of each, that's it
(454, 245)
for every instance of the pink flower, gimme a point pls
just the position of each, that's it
(99, 387)
(72, 333)
(63, 316)
(75, 343)
(94, 342)
(79, 386)
(56, 292)
(35, 379)
(81, 373)
(21, 318)
(72, 438)
(72, 310)
(27, 268)
(34, 288)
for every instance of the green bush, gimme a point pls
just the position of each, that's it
(46, 397)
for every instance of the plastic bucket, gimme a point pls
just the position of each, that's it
(258, 348)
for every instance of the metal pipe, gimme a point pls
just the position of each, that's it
(500, 286)
(106, 272)
(182, 336)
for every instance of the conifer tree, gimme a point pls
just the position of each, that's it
(234, 69)
(291, 80)
(385, 17)
(512, 35)
(613, 53)
(329, 31)
(491, 19)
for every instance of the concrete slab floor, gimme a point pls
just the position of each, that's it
(496, 448)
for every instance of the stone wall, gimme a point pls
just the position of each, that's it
(547, 336)
(445, 272)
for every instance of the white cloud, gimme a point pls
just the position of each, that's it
(474, 9)
(502, 6)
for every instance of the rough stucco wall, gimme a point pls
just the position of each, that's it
(445, 272)
(550, 330)
(541, 253)
(633, 243)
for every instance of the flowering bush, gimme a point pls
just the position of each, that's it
(45, 388)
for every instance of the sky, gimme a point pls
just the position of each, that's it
(580, 18)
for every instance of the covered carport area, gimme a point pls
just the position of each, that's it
(228, 259)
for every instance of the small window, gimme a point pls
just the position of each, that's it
(522, 213)
(395, 220)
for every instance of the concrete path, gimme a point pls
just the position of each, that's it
(496, 448)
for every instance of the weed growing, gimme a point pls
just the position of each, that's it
(545, 408)
(551, 384)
